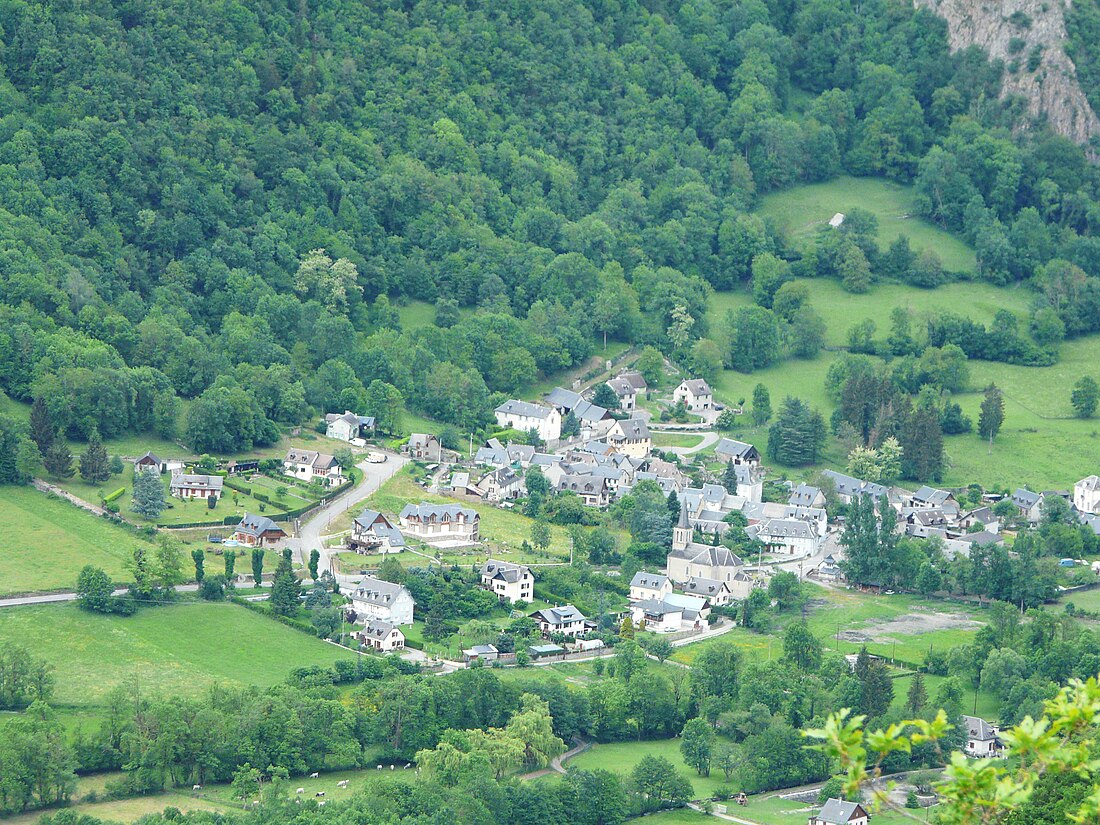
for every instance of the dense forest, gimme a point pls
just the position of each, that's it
(223, 202)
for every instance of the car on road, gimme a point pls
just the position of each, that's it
(376, 457)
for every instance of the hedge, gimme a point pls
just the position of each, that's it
(232, 484)
(107, 499)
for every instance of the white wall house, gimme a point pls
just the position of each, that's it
(982, 739)
(649, 586)
(565, 619)
(381, 636)
(695, 393)
(1086, 495)
(372, 532)
(509, 582)
(524, 416)
(377, 599)
(790, 536)
(630, 437)
(441, 523)
(310, 465)
(183, 485)
(349, 426)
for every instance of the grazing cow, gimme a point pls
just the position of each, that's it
(342, 784)
(314, 775)
(196, 787)
(322, 802)
(300, 790)
(319, 793)
(391, 767)
(379, 768)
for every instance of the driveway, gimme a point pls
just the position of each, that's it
(310, 532)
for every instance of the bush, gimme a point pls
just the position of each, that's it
(117, 494)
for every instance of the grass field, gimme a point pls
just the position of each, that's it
(676, 440)
(803, 210)
(48, 540)
(127, 810)
(172, 649)
(621, 757)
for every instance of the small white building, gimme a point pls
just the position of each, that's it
(649, 586)
(524, 416)
(509, 582)
(381, 636)
(839, 812)
(565, 619)
(183, 485)
(1086, 495)
(372, 532)
(310, 465)
(377, 599)
(982, 739)
(630, 437)
(349, 426)
(695, 393)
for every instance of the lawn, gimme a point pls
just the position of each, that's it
(804, 210)
(48, 540)
(773, 810)
(126, 810)
(181, 648)
(684, 816)
(621, 757)
(676, 440)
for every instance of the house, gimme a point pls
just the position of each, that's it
(717, 593)
(838, 812)
(242, 466)
(961, 545)
(928, 498)
(1029, 504)
(649, 586)
(381, 636)
(372, 532)
(565, 619)
(257, 531)
(805, 495)
(982, 517)
(510, 582)
(695, 393)
(503, 484)
(657, 615)
(924, 523)
(150, 461)
(424, 447)
(738, 452)
(982, 739)
(486, 653)
(524, 416)
(848, 488)
(349, 426)
(626, 393)
(310, 465)
(451, 524)
(377, 599)
(189, 486)
(1086, 495)
(630, 437)
(788, 535)
(594, 491)
(592, 419)
(688, 559)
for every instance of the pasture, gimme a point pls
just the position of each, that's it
(622, 757)
(803, 210)
(126, 810)
(47, 541)
(181, 649)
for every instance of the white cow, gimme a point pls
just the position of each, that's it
(314, 775)
(196, 787)
(300, 790)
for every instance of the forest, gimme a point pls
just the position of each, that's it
(217, 207)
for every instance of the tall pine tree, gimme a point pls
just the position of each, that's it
(992, 414)
(729, 478)
(43, 430)
(58, 460)
(149, 500)
(285, 590)
(94, 462)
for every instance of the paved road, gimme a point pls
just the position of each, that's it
(310, 532)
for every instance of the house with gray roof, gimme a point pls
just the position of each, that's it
(982, 739)
(348, 426)
(695, 393)
(378, 599)
(525, 416)
(503, 484)
(848, 487)
(424, 447)
(649, 586)
(839, 812)
(626, 392)
(1086, 494)
(787, 535)
(450, 524)
(739, 452)
(717, 593)
(1029, 504)
(509, 582)
(372, 532)
(630, 436)
(565, 619)
(257, 531)
(183, 485)
(806, 495)
(310, 465)
(385, 637)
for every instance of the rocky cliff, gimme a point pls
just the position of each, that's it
(1029, 36)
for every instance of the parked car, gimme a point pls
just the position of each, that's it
(376, 457)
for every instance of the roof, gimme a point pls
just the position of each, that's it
(804, 495)
(785, 528)
(837, 811)
(979, 729)
(547, 648)
(587, 411)
(1025, 498)
(422, 439)
(734, 449)
(586, 483)
(849, 486)
(480, 650)
(524, 409)
(254, 525)
(686, 601)
(149, 457)
(504, 570)
(634, 428)
(424, 510)
(311, 458)
(561, 397)
(931, 495)
(622, 387)
(379, 629)
(696, 586)
(710, 556)
(181, 480)
(377, 591)
(1088, 483)
(657, 607)
(653, 581)
(696, 386)
(559, 615)
(634, 378)
(376, 523)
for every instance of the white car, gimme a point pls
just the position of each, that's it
(376, 458)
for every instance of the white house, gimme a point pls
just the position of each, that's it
(738, 452)
(717, 593)
(510, 582)
(524, 416)
(377, 599)
(565, 619)
(848, 487)
(441, 523)
(794, 537)
(1086, 495)
(695, 393)
(630, 437)
(381, 636)
(806, 495)
(502, 484)
(1029, 504)
(839, 812)
(424, 446)
(349, 426)
(189, 486)
(151, 461)
(593, 490)
(310, 465)
(657, 615)
(372, 532)
(649, 586)
(982, 739)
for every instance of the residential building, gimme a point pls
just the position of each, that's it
(565, 619)
(594, 491)
(372, 532)
(424, 447)
(982, 739)
(695, 393)
(377, 599)
(839, 812)
(790, 536)
(1029, 504)
(657, 615)
(592, 419)
(630, 437)
(717, 593)
(1086, 495)
(258, 531)
(486, 653)
(510, 582)
(349, 426)
(649, 586)
(738, 452)
(524, 416)
(930, 498)
(151, 461)
(982, 517)
(848, 488)
(183, 485)
(382, 636)
(805, 495)
(503, 484)
(310, 465)
(626, 393)
(441, 523)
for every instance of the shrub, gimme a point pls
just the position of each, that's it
(117, 494)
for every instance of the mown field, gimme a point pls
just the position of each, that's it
(47, 541)
(127, 810)
(180, 649)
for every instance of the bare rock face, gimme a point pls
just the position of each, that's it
(1013, 30)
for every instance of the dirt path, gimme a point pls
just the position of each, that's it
(556, 762)
(46, 487)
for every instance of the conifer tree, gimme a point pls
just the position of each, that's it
(94, 461)
(257, 565)
(58, 460)
(149, 500)
(729, 478)
(43, 430)
(199, 558)
(285, 590)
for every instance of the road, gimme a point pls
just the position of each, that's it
(310, 532)
(53, 598)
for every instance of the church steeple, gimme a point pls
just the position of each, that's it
(682, 532)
